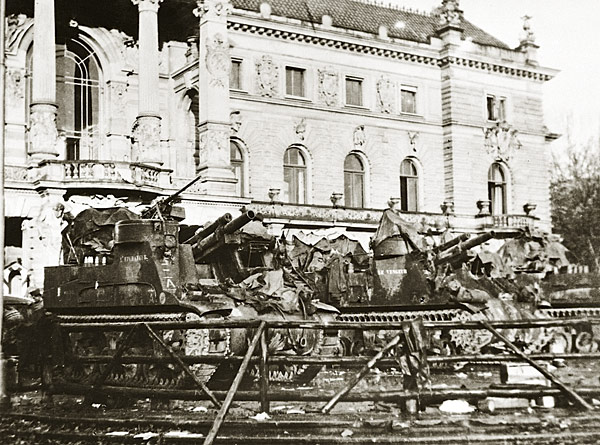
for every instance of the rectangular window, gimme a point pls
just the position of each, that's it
(502, 109)
(354, 95)
(496, 108)
(235, 76)
(408, 194)
(408, 100)
(294, 81)
(491, 108)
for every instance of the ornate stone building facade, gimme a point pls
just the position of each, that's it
(315, 113)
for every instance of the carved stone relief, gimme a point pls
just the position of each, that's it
(213, 146)
(119, 91)
(213, 8)
(328, 86)
(450, 13)
(14, 86)
(43, 135)
(501, 140)
(413, 137)
(15, 27)
(217, 60)
(527, 36)
(146, 139)
(267, 76)
(359, 138)
(300, 129)
(235, 121)
(386, 94)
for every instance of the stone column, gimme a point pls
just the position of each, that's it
(214, 61)
(146, 128)
(42, 122)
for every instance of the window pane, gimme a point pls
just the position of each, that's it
(294, 82)
(491, 108)
(353, 163)
(409, 101)
(348, 189)
(502, 109)
(301, 189)
(354, 92)
(235, 82)
(234, 152)
(293, 156)
(239, 175)
(358, 195)
(412, 194)
(403, 193)
(407, 168)
(288, 180)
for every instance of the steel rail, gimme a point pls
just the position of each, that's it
(382, 325)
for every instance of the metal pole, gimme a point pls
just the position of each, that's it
(4, 398)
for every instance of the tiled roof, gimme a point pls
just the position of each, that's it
(366, 17)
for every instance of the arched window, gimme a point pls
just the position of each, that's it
(237, 163)
(78, 94)
(409, 182)
(354, 181)
(497, 189)
(294, 176)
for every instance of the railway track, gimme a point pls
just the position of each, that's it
(120, 427)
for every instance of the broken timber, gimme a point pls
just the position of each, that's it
(575, 398)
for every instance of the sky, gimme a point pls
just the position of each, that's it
(568, 33)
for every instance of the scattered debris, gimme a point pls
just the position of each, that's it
(145, 436)
(187, 434)
(456, 407)
(347, 433)
(260, 417)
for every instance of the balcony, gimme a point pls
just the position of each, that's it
(315, 216)
(93, 173)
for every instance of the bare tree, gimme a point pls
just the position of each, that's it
(575, 197)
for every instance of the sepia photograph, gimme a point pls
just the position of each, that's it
(299, 222)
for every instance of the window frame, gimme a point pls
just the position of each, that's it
(293, 193)
(361, 95)
(499, 107)
(81, 53)
(238, 165)
(410, 89)
(303, 84)
(240, 66)
(353, 175)
(495, 187)
(406, 182)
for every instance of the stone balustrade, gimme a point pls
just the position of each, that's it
(369, 218)
(100, 173)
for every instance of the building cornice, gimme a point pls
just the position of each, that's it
(542, 75)
(383, 49)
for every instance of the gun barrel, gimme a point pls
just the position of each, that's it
(453, 242)
(241, 221)
(213, 241)
(208, 229)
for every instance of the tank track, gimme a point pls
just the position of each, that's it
(575, 312)
(397, 316)
(191, 341)
(453, 341)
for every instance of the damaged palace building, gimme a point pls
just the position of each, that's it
(317, 114)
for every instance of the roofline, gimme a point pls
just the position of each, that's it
(415, 52)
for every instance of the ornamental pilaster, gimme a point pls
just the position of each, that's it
(43, 135)
(214, 63)
(146, 128)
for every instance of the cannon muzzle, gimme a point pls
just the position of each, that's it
(208, 229)
(216, 239)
